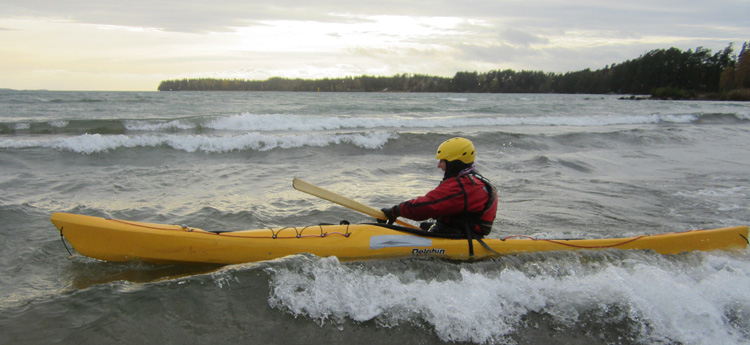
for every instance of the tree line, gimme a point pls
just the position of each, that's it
(663, 73)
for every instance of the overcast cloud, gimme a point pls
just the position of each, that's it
(132, 45)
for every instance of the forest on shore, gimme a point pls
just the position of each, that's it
(662, 73)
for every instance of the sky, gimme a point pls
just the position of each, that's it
(132, 45)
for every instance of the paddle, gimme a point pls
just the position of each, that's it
(311, 189)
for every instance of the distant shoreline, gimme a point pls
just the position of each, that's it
(738, 95)
(742, 95)
(662, 73)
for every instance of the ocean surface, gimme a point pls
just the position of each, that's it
(566, 166)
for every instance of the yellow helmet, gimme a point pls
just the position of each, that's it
(456, 149)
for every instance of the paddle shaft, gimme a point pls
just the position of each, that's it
(311, 189)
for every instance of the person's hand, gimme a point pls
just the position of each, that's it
(391, 213)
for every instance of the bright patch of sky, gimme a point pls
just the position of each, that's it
(94, 45)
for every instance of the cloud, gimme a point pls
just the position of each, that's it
(517, 22)
(518, 37)
(203, 16)
(153, 40)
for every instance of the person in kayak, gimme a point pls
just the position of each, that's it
(463, 204)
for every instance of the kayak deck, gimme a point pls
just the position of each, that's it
(119, 240)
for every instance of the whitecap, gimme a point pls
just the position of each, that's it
(59, 124)
(666, 301)
(94, 143)
(157, 125)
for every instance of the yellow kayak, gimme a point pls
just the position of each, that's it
(119, 240)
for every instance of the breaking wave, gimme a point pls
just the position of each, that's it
(94, 143)
(286, 122)
(488, 301)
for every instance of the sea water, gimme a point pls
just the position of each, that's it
(566, 166)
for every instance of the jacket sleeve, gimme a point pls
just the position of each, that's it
(445, 200)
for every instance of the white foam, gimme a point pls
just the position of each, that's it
(679, 118)
(93, 143)
(680, 303)
(59, 124)
(157, 126)
(248, 122)
(254, 122)
(716, 192)
(720, 198)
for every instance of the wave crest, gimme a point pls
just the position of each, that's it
(95, 143)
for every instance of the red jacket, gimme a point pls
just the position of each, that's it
(467, 196)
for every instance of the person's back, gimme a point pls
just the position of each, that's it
(463, 201)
